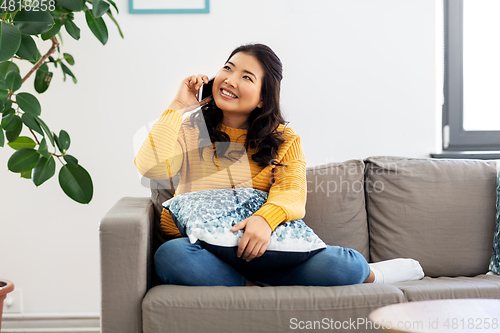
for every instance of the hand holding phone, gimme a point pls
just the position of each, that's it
(187, 98)
(206, 91)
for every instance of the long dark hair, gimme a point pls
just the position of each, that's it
(263, 122)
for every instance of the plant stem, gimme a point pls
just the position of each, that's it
(59, 158)
(38, 143)
(39, 63)
(36, 139)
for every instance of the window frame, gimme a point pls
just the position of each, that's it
(455, 138)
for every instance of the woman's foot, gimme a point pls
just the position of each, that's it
(395, 270)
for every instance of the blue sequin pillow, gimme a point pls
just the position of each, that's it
(495, 258)
(207, 216)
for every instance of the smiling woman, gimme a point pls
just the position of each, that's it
(240, 140)
(236, 89)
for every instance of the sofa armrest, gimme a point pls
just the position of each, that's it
(125, 244)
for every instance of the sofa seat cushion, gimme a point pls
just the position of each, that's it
(481, 286)
(174, 308)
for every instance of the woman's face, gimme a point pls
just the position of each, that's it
(238, 84)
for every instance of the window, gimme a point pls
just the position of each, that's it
(471, 110)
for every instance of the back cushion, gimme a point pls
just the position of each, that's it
(335, 207)
(439, 212)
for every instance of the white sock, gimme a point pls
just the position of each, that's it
(396, 270)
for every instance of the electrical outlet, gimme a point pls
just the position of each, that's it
(13, 303)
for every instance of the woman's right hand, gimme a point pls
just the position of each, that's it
(187, 96)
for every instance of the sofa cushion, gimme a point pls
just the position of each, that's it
(481, 286)
(335, 207)
(495, 256)
(208, 216)
(174, 308)
(439, 212)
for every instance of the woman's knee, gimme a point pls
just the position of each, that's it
(168, 255)
(170, 248)
(359, 267)
(348, 266)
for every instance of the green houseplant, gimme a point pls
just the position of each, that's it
(35, 155)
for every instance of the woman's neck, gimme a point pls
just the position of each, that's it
(235, 122)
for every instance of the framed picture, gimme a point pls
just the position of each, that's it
(168, 6)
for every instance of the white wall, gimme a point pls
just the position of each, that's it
(360, 80)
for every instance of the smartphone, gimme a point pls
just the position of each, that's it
(206, 90)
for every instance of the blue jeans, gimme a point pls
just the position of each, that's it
(180, 262)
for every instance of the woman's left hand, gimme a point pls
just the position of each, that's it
(255, 239)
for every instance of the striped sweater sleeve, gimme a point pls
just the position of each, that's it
(161, 154)
(288, 193)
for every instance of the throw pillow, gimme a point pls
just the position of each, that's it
(495, 257)
(207, 216)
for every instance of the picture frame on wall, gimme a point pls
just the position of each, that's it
(169, 6)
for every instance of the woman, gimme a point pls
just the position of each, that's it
(239, 139)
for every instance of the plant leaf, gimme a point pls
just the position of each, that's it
(116, 23)
(43, 149)
(97, 26)
(13, 80)
(8, 111)
(4, 90)
(22, 142)
(58, 143)
(14, 134)
(74, 5)
(23, 159)
(26, 174)
(44, 170)
(66, 70)
(29, 103)
(53, 31)
(33, 22)
(72, 29)
(64, 140)
(69, 58)
(28, 49)
(99, 7)
(30, 121)
(62, 42)
(70, 159)
(46, 130)
(75, 181)
(3, 93)
(10, 121)
(9, 66)
(10, 39)
(42, 78)
(114, 5)
(8, 104)
(2, 139)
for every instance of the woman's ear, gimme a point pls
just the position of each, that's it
(261, 103)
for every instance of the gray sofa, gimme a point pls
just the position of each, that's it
(439, 212)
